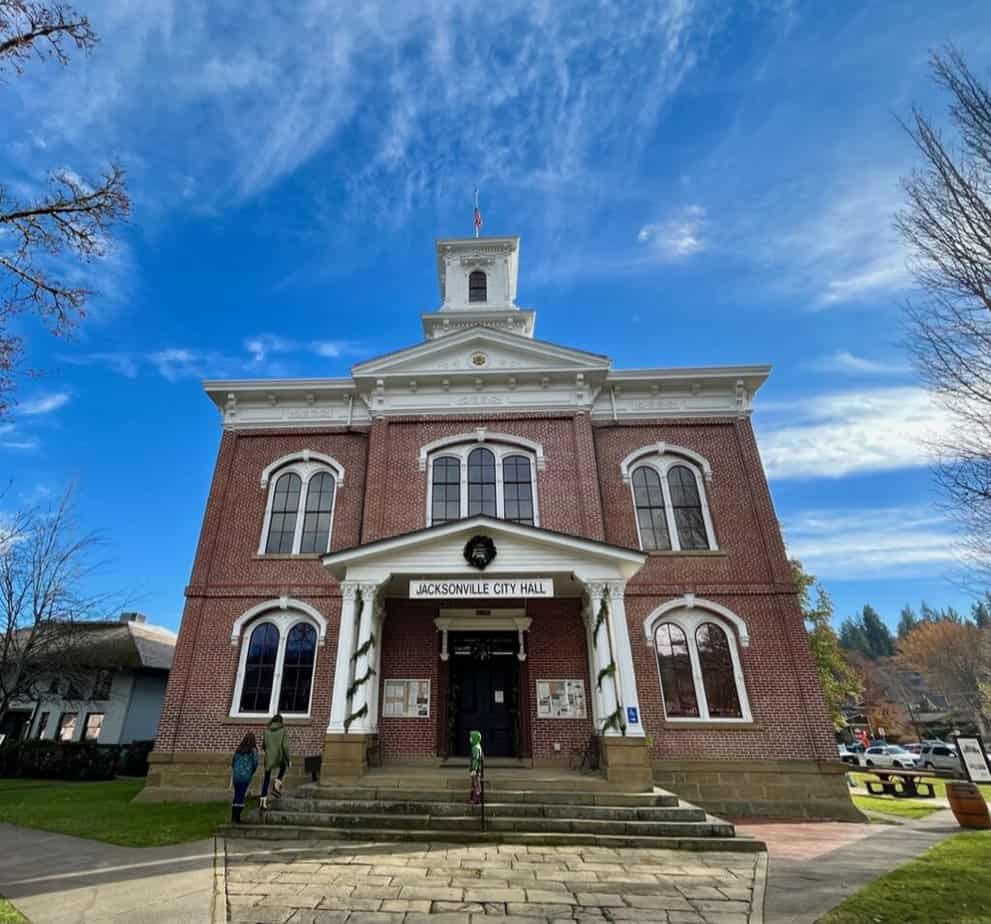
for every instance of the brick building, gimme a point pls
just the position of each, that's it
(486, 530)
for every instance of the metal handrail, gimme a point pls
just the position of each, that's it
(481, 780)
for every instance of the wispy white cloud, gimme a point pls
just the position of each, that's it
(832, 435)
(675, 237)
(847, 363)
(43, 404)
(263, 346)
(848, 544)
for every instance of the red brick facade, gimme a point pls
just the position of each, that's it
(581, 493)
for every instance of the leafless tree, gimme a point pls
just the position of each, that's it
(46, 613)
(71, 218)
(947, 226)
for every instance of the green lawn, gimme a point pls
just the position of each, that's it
(9, 914)
(103, 811)
(890, 806)
(950, 884)
(939, 784)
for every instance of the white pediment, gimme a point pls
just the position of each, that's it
(520, 550)
(481, 351)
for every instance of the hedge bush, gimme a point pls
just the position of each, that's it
(73, 760)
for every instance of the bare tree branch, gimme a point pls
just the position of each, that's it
(73, 219)
(947, 226)
(42, 29)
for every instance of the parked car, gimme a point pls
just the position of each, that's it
(939, 757)
(913, 747)
(888, 755)
(848, 755)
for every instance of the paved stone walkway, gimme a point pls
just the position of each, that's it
(363, 883)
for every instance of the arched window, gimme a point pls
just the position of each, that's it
(686, 505)
(716, 665)
(477, 286)
(285, 506)
(492, 479)
(276, 667)
(649, 499)
(316, 520)
(446, 490)
(259, 669)
(698, 666)
(517, 489)
(297, 668)
(300, 512)
(675, 665)
(481, 482)
(670, 503)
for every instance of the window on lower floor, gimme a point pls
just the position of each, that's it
(699, 670)
(43, 724)
(276, 668)
(93, 727)
(67, 726)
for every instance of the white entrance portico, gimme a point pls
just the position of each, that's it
(436, 563)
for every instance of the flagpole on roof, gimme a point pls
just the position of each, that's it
(477, 215)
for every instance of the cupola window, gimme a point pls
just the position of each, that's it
(477, 286)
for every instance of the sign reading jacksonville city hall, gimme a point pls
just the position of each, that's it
(482, 587)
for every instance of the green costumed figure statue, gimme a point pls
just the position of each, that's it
(476, 766)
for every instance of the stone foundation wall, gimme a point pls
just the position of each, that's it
(794, 789)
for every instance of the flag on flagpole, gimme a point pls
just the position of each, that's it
(477, 216)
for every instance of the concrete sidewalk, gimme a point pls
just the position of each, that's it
(813, 866)
(56, 879)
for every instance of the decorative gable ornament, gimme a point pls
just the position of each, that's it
(479, 552)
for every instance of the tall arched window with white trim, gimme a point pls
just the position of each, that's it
(284, 510)
(651, 518)
(277, 664)
(698, 666)
(445, 490)
(517, 489)
(669, 499)
(477, 286)
(259, 669)
(299, 516)
(297, 668)
(469, 477)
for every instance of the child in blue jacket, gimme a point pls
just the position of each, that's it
(243, 767)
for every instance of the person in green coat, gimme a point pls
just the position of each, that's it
(275, 744)
(476, 766)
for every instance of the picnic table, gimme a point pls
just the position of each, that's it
(903, 784)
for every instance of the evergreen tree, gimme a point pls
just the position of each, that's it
(839, 681)
(951, 615)
(880, 642)
(928, 613)
(907, 621)
(981, 612)
(853, 637)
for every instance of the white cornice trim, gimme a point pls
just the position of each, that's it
(304, 455)
(338, 562)
(482, 435)
(691, 602)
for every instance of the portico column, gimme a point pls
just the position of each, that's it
(606, 689)
(374, 685)
(366, 642)
(343, 664)
(623, 654)
(595, 694)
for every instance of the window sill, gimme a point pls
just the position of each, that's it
(693, 553)
(721, 724)
(264, 720)
(305, 556)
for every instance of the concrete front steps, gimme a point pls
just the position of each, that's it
(535, 816)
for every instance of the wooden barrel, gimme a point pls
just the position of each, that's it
(969, 807)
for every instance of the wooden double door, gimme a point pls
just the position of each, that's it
(484, 693)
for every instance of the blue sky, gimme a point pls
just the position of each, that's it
(694, 183)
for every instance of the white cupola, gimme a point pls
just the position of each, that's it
(477, 279)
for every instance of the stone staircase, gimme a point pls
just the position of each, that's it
(520, 809)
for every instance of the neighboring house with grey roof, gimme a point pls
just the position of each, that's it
(117, 699)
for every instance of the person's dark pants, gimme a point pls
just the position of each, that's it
(268, 778)
(237, 806)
